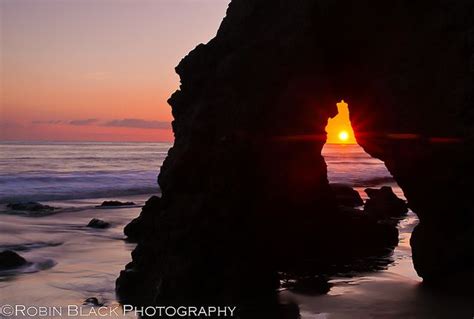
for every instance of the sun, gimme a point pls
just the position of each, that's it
(343, 136)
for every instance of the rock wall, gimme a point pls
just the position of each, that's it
(244, 188)
(413, 109)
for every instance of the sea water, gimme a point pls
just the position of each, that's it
(63, 170)
(69, 262)
(60, 171)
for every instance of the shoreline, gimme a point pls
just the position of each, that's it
(81, 270)
(69, 261)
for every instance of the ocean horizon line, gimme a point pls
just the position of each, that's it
(78, 142)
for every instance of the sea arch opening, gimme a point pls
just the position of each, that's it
(349, 166)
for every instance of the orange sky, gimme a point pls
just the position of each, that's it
(102, 70)
(96, 70)
(340, 124)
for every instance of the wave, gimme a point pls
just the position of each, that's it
(29, 246)
(73, 193)
(30, 267)
(354, 163)
(45, 186)
(375, 181)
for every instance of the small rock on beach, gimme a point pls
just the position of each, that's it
(98, 223)
(116, 203)
(10, 259)
(30, 206)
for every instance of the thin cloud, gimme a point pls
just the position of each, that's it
(48, 122)
(9, 124)
(128, 123)
(83, 122)
(139, 123)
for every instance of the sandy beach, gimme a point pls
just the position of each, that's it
(70, 262)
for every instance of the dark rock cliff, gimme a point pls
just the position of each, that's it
(244, 188)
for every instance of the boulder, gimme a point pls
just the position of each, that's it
(93, 301)
(30, 206)
(10, 259)
(346, 195)
(311, 285)
(115, 203)
(384, 204)
(98, 223)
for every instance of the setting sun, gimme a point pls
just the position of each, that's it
(343, 136)
(339, 129)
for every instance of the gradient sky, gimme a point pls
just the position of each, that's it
(96, 69)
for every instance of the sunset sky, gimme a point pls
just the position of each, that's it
(101, 70)
(97, 70)
(339, 129)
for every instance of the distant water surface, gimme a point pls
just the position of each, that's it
(350, 164)
(70, 262)
(60, 171)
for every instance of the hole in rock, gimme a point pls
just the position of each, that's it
(348, 164)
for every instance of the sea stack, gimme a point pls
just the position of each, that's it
(244, 188)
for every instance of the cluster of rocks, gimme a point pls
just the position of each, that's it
(368, 238)
(30, 207)
(101, 224)
(382, 205)
(346, 195)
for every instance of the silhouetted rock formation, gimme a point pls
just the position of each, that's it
(115, 203)
(93, 301)
(10, 259)
(98, 223)
(245, 189)
(384, 204)
(30, 207)
(346, 196)
(136, 229)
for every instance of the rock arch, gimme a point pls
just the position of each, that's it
(249, 128)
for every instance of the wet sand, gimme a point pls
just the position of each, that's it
(396, 292)
(72, 262)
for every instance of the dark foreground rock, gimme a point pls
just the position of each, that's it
(93, 301)
(314, 285)
(10, 259)
(346, 195)
(137, 227)
(30, 207)
(98, 223)
(115, 203)
(245, 192)
(384, 204)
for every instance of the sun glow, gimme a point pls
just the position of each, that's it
(339, 129)
(343, 136)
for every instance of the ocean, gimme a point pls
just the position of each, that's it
(350, 164)
(69, 262)
(63, 171)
